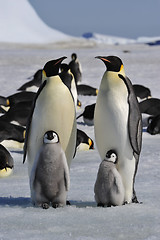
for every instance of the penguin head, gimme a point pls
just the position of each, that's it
(64, 67)
(6, 160)
(51, 68)
(50, 137)
(74, 56)
(113, 63)
(111, 156)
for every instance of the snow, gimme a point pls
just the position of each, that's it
(114, 40)
(19, 23)
(82, 219)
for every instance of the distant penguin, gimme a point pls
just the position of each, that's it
(141, 92)
(88, 114)
(33, 84)
(6, 162)
(18, 113)
(75, 67)
(154, 125)
(109, 189)
(50, 178)
(84, 142)
(11, 135)
(150, 106)
(68, 79)
(86, 90)
(117, 122)
(53, 109)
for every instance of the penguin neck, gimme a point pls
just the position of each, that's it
(111, 79)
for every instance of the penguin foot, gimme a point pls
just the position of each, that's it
(68, 203)
(45, 205)
(134, 199)
(100, 205)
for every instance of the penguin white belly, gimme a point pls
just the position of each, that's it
(111, 131)
(12, 144)
(54, 110)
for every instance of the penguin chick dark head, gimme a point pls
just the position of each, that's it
(64, 67)
(111, 156)
(50, 137)
(51, 68)
(113, 63)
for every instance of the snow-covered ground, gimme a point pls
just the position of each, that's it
(82, 220)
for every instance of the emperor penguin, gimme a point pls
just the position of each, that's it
(34, 83)
(6, 162)
(68, 79)
(118, 123)
(109, 189)
(50, 178)
(75, 67)
(54, 109)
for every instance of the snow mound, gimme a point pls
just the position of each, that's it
(106, 39)
(19, 23)
(113, 40)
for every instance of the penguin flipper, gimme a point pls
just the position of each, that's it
(134, 119)
(30, 120)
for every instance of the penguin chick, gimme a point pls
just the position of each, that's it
(6, 162)
(84, 142)
(50, 174)
(33, 84)
(109, 189)
(75, 67)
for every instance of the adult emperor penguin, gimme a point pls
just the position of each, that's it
(50, 178)
(109, 189)
(75, 67)
(53, 109)
(117, 122)
(68, 79)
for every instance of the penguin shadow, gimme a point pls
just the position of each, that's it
(14, 202)
(81, 123)
(17, 151)
(81, 204)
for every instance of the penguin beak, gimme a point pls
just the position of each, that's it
(103, 59)
(60, 60)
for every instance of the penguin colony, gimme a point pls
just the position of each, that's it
(38, 115)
